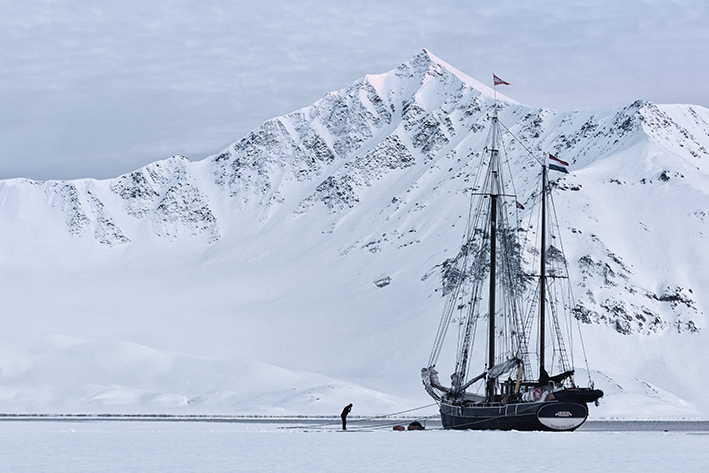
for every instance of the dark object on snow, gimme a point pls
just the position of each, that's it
(399, 428)
(343, 416)
(416, 425)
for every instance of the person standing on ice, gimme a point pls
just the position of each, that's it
(343, 416)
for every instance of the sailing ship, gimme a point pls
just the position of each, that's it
(514, 277)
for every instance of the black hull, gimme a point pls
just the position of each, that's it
(544, 415)
(578, 395)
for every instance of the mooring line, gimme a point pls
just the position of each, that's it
(362, 419)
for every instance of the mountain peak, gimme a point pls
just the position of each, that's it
(428, 64)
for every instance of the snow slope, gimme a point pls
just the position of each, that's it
(298, 269)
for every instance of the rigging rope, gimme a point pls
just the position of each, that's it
(364, 419)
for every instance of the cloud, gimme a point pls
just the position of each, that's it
(98, 89)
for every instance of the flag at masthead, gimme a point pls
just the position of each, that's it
(499, 81)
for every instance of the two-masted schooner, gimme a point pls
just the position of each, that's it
(501, 377)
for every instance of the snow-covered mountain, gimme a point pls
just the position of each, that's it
(299, 269)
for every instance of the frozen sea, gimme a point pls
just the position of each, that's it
(111, 446)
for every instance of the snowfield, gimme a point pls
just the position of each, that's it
(207, 447)
(299, 269)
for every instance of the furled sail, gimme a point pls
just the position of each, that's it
(502, 368)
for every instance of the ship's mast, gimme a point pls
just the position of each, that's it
(542, 270)
(494, 193)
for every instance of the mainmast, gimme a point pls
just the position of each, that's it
(542, 270)
(494, 193)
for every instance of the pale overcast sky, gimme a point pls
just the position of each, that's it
(99, 88)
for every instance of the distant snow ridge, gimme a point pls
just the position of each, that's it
(414, 135)
(171, 196)
(84, 211)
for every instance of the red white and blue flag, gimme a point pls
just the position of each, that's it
(557, 164)
(499, 81)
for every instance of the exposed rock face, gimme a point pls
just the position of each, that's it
(167, 193)
(84, 212)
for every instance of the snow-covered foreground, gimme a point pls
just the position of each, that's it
(210, 447)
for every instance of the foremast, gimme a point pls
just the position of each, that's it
(494, 195)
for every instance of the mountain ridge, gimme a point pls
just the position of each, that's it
(340, 215)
